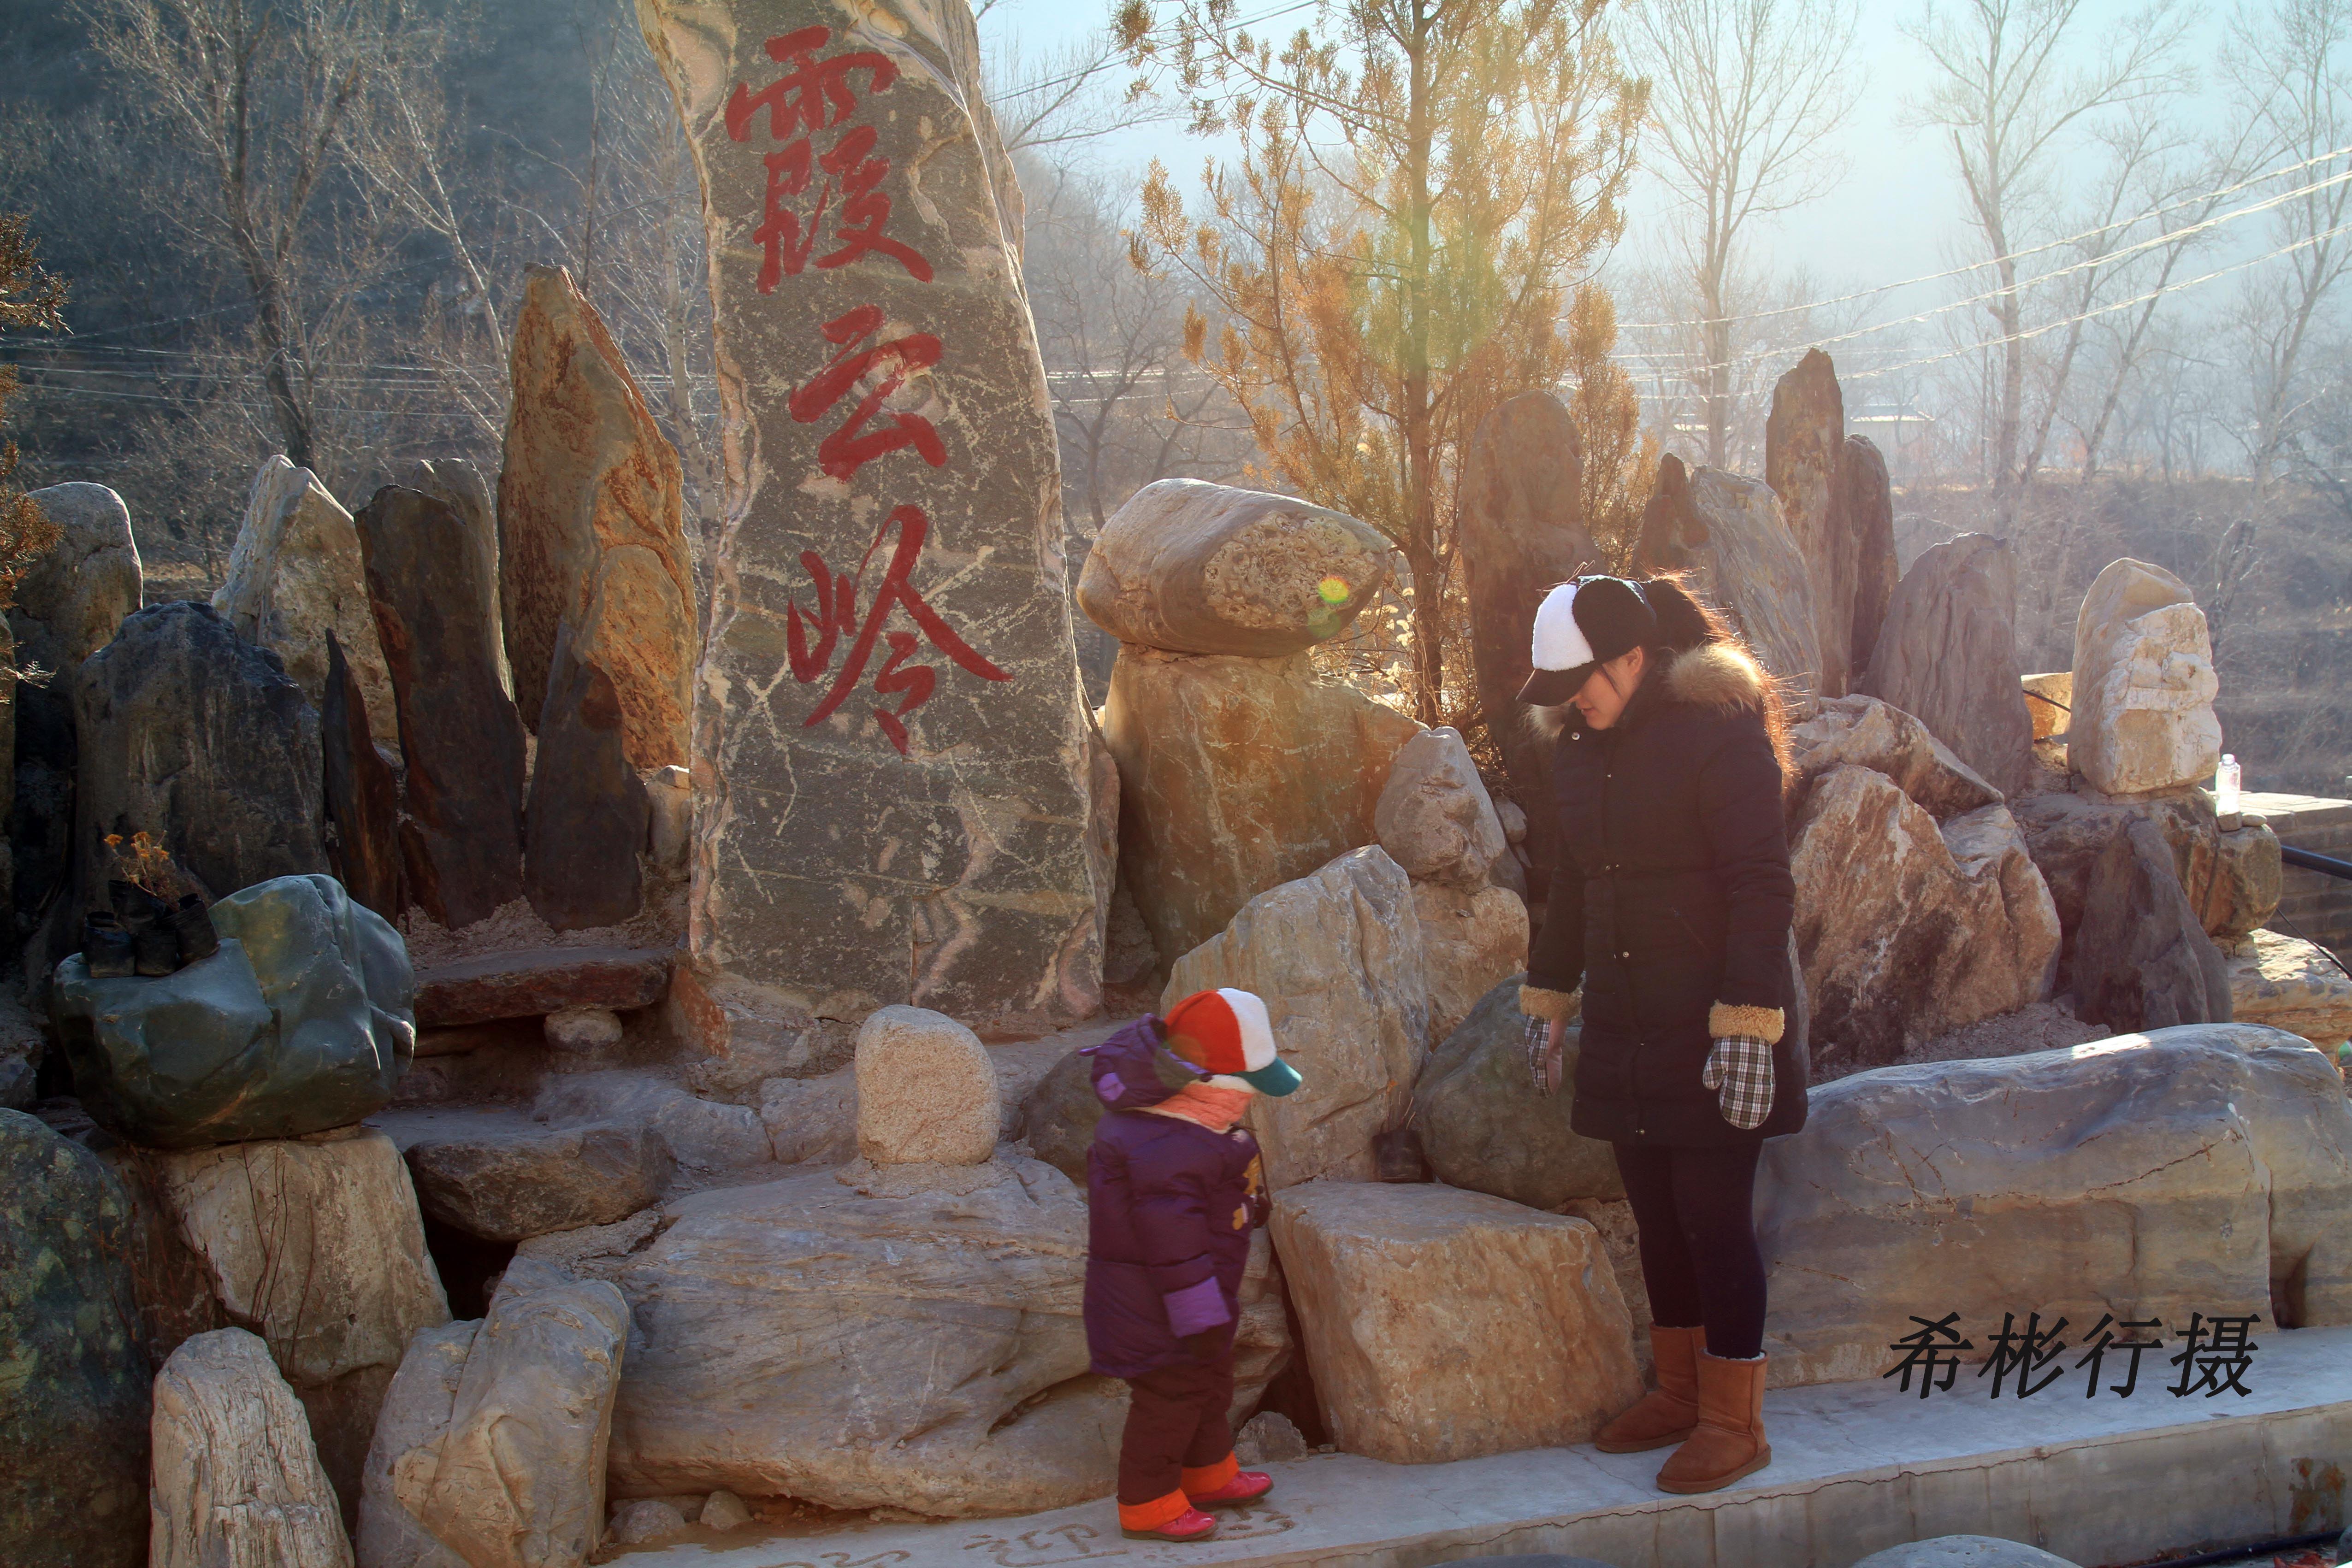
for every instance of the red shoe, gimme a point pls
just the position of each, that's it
(1244, 1487)
(1189, 1525)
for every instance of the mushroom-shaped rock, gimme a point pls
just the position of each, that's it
(925, 1089)
(1196, 567)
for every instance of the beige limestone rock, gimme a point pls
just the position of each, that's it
(517, 1480)
(723, 1510)
(913, 1341)
(2287, 983)
(2049, 701)
(415, 1414)
(1726, 530)
(236, 1481)
(1338, 958)
(592, 534)
(1434, 816)
(1236, 774)
(1909, 927)
(1443, 1324)
(71, 600)
(1470, 940)
(1947, 655)
(1865, 732)
(2202, 1169)
(670, 793)
(1196, 567)
(895, 485)
(294, 574)
(645, 1520)
(2144, 684)
(812, 1118)
(316, 1244)
(925, 1090)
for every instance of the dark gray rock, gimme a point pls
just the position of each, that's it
(503, 1176)
(1484, 1128)
(436, 615)
(1948, 655)
(192, 735)
(1865, 509)
(2141, 960)
(1058, 1116)
(589, 812)
(362, 798)
(1803, 438)
(855, 744)
(73, 1426)
(1522, 531)
(457, 483)
(303, 1021)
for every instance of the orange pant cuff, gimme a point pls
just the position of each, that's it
(1209, 1478)
(1153, 1514)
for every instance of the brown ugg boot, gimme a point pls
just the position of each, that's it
(1729, 1442)
(1667, 1413)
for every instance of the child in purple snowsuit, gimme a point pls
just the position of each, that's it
(1175, 1186)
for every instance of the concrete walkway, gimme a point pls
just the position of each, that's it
(1856, 1467)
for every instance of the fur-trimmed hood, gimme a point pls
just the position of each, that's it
(1712, 675)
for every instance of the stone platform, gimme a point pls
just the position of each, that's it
(1856, 1467)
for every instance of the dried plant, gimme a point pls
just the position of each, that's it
(145, 863)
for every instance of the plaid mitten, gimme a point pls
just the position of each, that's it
(1739, 1069)
(1538, 1032)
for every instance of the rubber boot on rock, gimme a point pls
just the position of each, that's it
(1729, 1442)
(1667, 1413)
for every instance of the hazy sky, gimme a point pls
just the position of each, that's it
(1895, 214)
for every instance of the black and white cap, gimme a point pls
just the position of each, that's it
(1583, 625)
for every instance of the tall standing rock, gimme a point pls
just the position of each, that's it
(195, 737)
(2141, 959)
(1866, 512)
(1522, 531)
(66, 608)
(1948, 656)
(295, 575)
(2144, 684)
(457, 483)
(1804, 437)
(238, 1480)
(890, 747)
(461, 844)
(362, 797)
(73, 1420)
(592, 533)
(1727, 531)
(589, 810)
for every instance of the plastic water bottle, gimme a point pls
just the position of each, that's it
(2227, 780)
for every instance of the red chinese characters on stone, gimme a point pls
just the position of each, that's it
(849, 445)
(817, 95)
(837, 613)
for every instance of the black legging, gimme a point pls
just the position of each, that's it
(1699, 1260)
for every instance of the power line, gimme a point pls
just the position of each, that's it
(1085, 71)
(2019, 255)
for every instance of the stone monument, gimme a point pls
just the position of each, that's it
(889, 749)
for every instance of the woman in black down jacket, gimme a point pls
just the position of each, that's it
(1669, 910)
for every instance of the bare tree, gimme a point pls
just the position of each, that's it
(2007, 92)
(263, 93)
(2289, 65)
(1744, 94)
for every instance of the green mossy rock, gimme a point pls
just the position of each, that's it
(73, 1373)
(303, 1021)
(1483, 1126)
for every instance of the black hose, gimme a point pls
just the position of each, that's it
(2326, 865)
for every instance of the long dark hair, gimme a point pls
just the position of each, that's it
(1686, 622)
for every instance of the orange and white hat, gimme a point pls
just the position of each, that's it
(1226, 1033)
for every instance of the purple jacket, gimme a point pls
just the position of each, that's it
(1171, 1205)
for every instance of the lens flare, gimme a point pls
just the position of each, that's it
(1334, 590)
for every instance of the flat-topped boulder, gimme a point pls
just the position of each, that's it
(529, 982)
(500, 1175)
(2291, 984)
(1197, 568)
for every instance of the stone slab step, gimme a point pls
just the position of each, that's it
(536, 980)
(1856, 1467)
